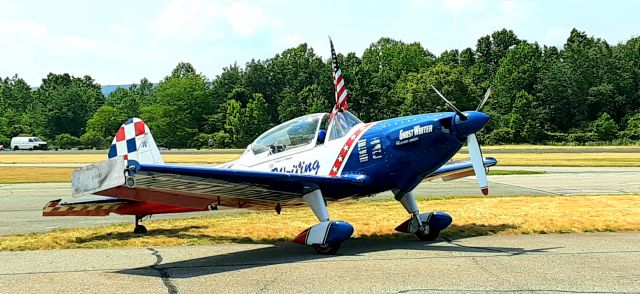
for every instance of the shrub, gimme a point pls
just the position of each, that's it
(605, 128)
(5, 141)
(499, 136)
(66, 141)
(93, 139)
(632, 131)
(201, 140)
(582, 137)
(222, 140)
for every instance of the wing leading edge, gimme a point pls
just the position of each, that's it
(458, 169)
(199, 187)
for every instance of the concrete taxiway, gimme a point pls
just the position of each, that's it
(581, 263)
(21, 204)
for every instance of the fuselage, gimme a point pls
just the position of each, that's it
(392, 154)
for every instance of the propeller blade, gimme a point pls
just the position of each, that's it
(458, 112)
(484, 100)
(478, 163)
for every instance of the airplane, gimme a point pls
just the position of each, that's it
(308, 160)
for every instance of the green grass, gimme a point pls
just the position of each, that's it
(503, 172)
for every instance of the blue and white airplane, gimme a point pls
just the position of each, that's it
(312, 159)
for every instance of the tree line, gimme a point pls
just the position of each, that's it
(587, 91)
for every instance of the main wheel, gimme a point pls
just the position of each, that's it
(432, 235)
(140, 229)
(326, 249)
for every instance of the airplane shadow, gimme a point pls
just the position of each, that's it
(176, 233)
(287, 252)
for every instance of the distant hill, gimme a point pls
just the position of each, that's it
(106, 90)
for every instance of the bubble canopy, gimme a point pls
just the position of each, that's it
(289, 135)
(303, 131)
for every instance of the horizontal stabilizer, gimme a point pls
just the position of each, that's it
(86, 208)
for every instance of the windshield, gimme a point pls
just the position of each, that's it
(341, 124)
(36, 139)
(292, 134)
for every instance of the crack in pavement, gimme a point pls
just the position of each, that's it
(164, 274)
(421, 290)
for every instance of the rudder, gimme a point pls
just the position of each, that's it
(135, 142)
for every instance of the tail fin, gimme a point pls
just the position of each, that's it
(135, 142)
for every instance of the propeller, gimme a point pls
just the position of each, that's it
(484, 99)
(457, 111)
(477, 160)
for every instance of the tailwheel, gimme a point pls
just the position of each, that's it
(326, 249)
(140, 229)
(427, 236)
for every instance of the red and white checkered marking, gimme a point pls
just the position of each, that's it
(134, 141)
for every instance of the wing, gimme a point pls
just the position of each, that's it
(458, 169)
(201, 187)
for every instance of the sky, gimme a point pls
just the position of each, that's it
(120, 42)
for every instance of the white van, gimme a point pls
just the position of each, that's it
(28, 143)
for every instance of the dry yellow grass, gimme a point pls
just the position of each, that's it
(201, 158)
(372, 219)
(504, 159)
(36, 175)
(547, 147)
(564, 159)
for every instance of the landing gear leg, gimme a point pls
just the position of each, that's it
(327, 236)
(139, 229)
(416, 224)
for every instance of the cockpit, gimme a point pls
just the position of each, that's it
(305, 131)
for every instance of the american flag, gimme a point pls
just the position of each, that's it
(340, 89)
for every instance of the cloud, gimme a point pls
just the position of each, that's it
(191, 19)
(555, 36)
(123, 31)
(460, 6)
(7, 8)
(188, 19)
(22, 28)
(247, 19)
(516, 10)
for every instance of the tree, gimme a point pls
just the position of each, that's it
(234, 123)
(525, 120)
(633, 128)
(105, 123)
(556, 92)
(518, 71)
(256, 118)
(417, 96)
(605, 128)
(69, 102)
(183, 69)
(181, 105)
(129, 101)
(383, 64)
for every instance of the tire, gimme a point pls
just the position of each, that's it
(432, 235)
(326, 249)
(16, 148)
(140, 229)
